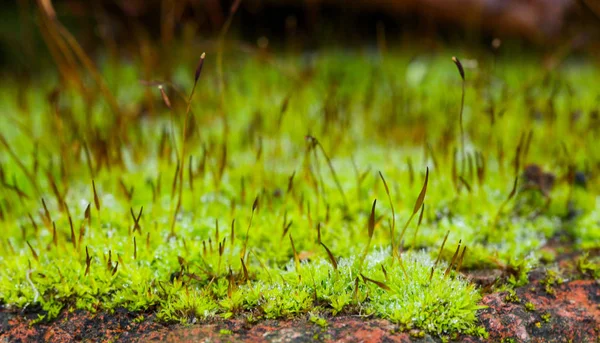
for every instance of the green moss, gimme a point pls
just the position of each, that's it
(589, 266)
(546, 317)
(518, 271)
(368, 115)
(551, 279)
(139, 319)
(529, 306)
(320, 321)
(512, 297)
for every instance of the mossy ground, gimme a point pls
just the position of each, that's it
(283, 159)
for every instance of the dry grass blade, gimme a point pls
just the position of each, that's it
(414, 241)
(88, 261)
(460, 260)
(319, 232)
(421, 197)
(87, 214)
(136, 220)
(284, 106)
(517, 160)
(331, 257)
(231, 284)
(355, 295)
(47, 217)
(453, 259)
(371, 230)
(33, 223)
(421, 215)
(287, 228)
(291, 183)
(462, 105)
(57, 194)
(441, 249)
(35, 255)
(371, 225)
(377, 283)
(222, 246)
(54, 235)
(22, 195)
(480, 164)
(296, 257)
(73, 240)
(418, 204)
(244, 270)
(465, 183)
(439, 255)
(254, 208)
(96, 198)
(384, 272)
(128, 192)
(393, 229)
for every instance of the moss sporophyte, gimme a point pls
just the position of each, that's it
(272, 190)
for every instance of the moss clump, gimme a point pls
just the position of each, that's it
(529, 306)
(588, 266)
(551, 279)
(512, 297)
(318, 320)
(546, 317)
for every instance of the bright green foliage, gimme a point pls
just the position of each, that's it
(589, 266)
(367, 115)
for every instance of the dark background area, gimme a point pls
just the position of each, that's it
(299, 25)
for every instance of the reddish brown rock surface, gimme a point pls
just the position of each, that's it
(570, 314)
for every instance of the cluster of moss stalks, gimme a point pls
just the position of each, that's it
(283, 186)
